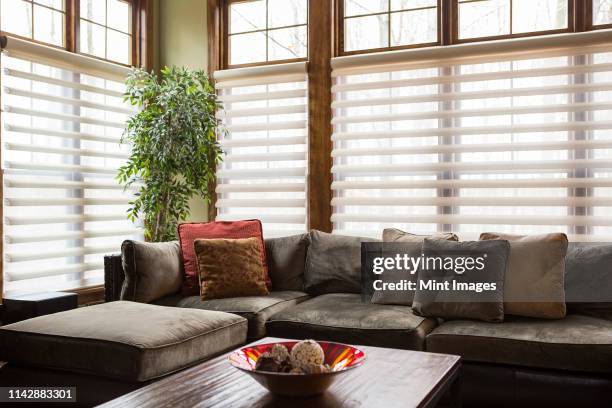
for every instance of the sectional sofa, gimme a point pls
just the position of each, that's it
(317, 294)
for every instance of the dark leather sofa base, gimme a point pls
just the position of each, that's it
(487, 385)
(343, 317)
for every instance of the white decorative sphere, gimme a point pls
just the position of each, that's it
(307, 353)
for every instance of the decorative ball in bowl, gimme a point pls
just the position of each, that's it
(297, 368)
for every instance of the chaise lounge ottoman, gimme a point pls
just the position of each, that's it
(121, 341)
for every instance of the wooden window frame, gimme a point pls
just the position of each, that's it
(31, 39)
(579, 12)
(224, 11)
(141, 49)
(571, 25)
(588, 18)
(339, 31)
(133, 12)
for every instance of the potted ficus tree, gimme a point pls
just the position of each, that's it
(174, 148)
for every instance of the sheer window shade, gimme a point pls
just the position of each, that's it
(510, 136)
(263, 174)
(62, 119)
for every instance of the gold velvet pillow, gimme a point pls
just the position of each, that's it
(534, 282)
(230, 268)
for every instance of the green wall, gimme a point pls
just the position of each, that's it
(182, 41)
(182, 33)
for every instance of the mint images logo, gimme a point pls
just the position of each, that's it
(394, 271)
(411, 264)
(457, 264)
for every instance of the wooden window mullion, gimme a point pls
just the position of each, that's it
(582, 14)
(447, 24)
(319, 193)
(217, 59)
(71, 24)
(136, 50)
(338, 22)
(389, 23)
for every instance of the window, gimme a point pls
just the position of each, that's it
(63, 210)
(267, 30)
(515, 143)
(373, 27)
(375, 24)
(40, 20)
(602, 12)
(106, 29)
(263, 174)
(494, 18)
(265, 109)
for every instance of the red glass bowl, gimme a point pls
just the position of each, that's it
(339, 357)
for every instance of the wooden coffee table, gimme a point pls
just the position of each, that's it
(388, 378)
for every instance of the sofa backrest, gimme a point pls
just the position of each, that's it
(314, 262)
(150, 271)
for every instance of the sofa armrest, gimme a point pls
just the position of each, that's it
(113, 277)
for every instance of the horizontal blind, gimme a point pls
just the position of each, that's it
(62, 119)
(469, 138)
(263, 174)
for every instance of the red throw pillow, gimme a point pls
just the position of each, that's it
(189, 232)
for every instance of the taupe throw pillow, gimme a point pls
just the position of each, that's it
(230, 268)
(404, 297)
(534, 284)
(396, 235)
(457, 302)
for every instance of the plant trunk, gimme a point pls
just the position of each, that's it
(162, 219)
(158, 223)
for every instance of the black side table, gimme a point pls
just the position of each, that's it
(24, 307)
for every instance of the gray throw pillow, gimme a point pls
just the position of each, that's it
(286, 257)
(468, 303)
(588, 279)
(333, 263)
(403, 297)
(152, 270)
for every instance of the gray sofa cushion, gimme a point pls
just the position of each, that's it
(343, 317)
(577, 342)
(256, 309)
(333, 263)
(122, 340)
(152, 270)
(286, 258)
